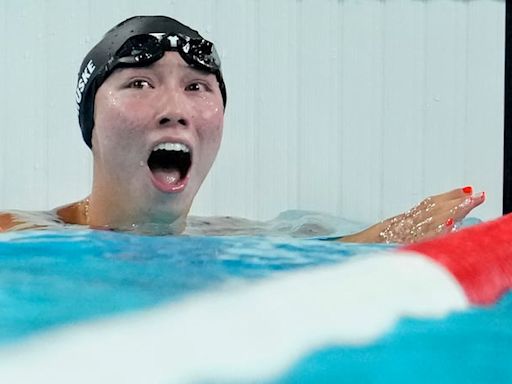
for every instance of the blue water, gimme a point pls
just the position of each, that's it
(469, 347)
(49, 279)
(53, 278)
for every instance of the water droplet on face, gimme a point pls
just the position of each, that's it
(141, 163)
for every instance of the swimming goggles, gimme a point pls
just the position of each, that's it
(143, 50)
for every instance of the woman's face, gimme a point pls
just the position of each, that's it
(157, 130)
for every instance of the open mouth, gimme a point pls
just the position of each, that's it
(169, 164)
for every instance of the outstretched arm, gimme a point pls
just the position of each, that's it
(433, 216)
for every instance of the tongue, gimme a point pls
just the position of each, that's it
(167, 176)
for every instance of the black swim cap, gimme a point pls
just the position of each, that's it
(139, 41)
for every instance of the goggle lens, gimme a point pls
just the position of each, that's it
(141, 50)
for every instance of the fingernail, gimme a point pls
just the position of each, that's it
(449, 222)
(479, 196)
(468, 190)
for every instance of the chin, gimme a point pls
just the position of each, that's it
(169, 208)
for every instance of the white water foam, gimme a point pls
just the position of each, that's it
(248, 332)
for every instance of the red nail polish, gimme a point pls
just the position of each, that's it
(449, 222)
(467, 190)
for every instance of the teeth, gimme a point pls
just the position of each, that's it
(172, 147)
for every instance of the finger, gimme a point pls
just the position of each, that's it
(479, 199)
(450, 225)
(466, 205)
(449, 214)
(425, 221)
(454, 194)
(441, 229)
(430, 219)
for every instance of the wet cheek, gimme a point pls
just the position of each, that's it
(125, 118)
(118, 133)
(133, 110)
(210, 114)
(213, 108)
(211, 124)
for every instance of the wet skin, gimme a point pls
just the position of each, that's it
(135, 109)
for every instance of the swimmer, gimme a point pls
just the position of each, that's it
(151, 100)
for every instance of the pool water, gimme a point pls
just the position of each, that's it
(50, 279)
(468, 347)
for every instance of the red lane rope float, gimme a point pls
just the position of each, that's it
(479, 257)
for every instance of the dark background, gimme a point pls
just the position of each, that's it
(507, 158)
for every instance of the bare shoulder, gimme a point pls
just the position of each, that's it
(19, 220)
(7, 221)
(15, 220)
(73, 213)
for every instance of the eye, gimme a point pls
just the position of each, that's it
(139, 84)
(197, 87)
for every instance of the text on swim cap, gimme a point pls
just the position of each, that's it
(83, 79)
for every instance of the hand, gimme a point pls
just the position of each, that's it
(434, 216)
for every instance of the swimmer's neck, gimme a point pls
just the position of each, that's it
(88, 212)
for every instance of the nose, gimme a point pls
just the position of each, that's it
(164, 121)
(173, 111)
